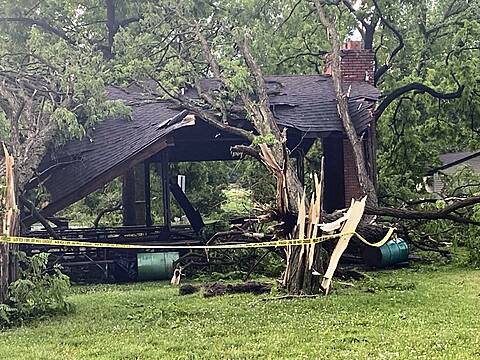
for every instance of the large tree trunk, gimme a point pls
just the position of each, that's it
(366, 183)
(298, 277)
(305, 261)
(301, 279)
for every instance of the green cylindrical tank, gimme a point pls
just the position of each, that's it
(392, 252)
(155, 266)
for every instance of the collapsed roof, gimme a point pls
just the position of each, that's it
(305, 104)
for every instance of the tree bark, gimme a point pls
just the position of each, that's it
(366, 183)
(298, 274)
(275, 156)
(4, 271)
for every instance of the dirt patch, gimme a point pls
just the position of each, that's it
(219, 288)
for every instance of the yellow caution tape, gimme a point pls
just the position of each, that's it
(387, 237)
(275, 243)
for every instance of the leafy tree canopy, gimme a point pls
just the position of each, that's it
(65, 52)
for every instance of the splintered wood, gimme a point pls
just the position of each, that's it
(9, 224)
(8, 200)
(353, 217)
(309, 226)
(309, 217)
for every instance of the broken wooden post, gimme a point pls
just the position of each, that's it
(193, 215)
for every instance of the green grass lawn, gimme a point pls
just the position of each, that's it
(403, 314)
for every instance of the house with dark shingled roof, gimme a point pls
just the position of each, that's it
(160, 133)
(303, 104)
(451, 163)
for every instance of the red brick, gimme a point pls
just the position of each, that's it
(352, 186)
(357, 64)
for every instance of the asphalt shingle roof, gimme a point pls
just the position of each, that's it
(306, 103)
(110, 143)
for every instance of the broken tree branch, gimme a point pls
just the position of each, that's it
(446, 213)
(420, 88)
(108, 210)
(42, 24)
(401, 44)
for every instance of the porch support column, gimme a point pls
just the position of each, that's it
(334, 177)
(148, 197)
(167, 214)
(140, 193)
(128, 198)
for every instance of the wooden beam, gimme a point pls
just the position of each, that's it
(148, 195)
(193, 215)
(128, 198)
(167, 213)
(38, 216)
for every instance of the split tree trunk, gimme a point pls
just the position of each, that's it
(10, 226)
(298, 278)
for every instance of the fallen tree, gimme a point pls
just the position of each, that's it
(186, 44)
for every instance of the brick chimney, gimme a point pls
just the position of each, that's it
(357, 64)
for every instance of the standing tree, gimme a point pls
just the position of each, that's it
(52, 88)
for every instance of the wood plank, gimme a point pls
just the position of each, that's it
(193, 215)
